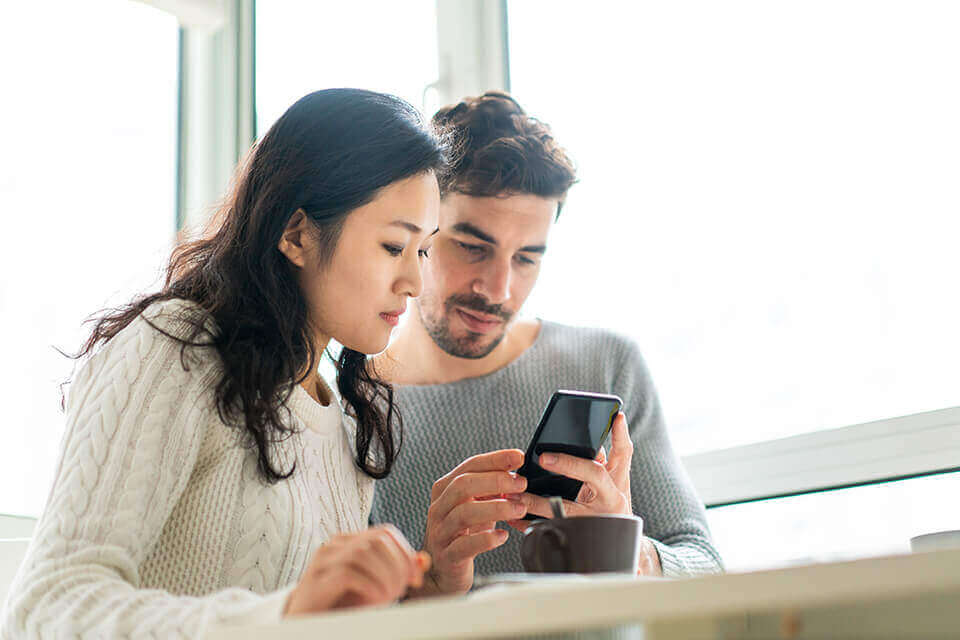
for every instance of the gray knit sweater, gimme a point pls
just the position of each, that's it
(445, 424)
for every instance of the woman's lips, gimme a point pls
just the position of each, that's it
(393, 319)
(476, 324)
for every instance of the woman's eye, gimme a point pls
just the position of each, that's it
(393, 250)
(525, 260)
(424, 253)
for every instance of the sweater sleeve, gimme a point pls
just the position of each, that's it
(134, 425)
(663, 495)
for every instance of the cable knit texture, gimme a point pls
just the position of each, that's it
(157, 524)
(445, 424)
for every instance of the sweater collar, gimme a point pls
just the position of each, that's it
(321, 418)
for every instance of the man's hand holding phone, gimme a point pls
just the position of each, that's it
(465, 506)
(605, 489)
(467, 503)
(606, 480)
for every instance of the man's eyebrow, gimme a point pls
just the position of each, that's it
(406, 225)
(471, 230)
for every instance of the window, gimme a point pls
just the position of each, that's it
(87, 190)
(303, 46)
(876, 519)
(767, 204)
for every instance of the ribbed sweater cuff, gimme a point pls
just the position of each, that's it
(680, 561)
(272, 608)
(268, 610)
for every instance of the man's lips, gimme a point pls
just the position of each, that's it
(479, 323)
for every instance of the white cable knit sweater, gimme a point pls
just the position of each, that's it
(157, 524)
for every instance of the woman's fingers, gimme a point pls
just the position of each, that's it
(336, 586)
(424, 562)
(387, 563)
(375, 566)
(361, 555)
(353, 587)
(392, 563)
(403, 557)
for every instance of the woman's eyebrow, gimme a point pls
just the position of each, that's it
(406, 225)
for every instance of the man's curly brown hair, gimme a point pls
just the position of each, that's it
(500, 150)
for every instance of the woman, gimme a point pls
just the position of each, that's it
(208, 474)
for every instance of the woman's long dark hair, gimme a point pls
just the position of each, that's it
(330, 153)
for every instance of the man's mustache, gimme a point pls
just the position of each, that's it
(478, 303)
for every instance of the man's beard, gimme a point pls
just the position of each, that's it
(470, 345)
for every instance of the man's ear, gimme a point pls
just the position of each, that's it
(296, 241)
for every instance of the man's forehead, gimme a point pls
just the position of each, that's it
(499, 217)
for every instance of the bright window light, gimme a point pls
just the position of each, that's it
(87, 191)
(768, 202)
(845, 524)
(303, 46)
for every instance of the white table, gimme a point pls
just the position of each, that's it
(905, 596)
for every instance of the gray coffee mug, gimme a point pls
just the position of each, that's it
(588, 544)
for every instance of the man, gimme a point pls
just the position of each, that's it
(472, 376)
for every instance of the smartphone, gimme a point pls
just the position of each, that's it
(576, 423)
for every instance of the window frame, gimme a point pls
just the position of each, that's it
(880, 451)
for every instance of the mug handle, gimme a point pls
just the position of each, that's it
(560, 539)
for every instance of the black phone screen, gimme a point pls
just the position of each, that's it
(574, 423)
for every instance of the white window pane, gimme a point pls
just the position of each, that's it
(303, 46)
(768, 202)
(87, 191)
(836, 525)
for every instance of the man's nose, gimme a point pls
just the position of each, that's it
(494, 282)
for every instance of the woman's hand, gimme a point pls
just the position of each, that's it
(375, 566)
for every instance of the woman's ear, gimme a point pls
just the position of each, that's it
(296, 241)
